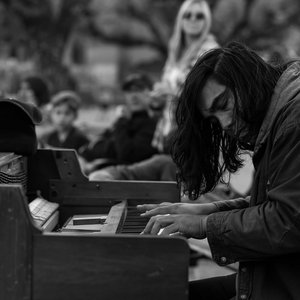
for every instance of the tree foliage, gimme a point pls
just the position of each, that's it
(43, 31)
(38, 31)
(267, 25)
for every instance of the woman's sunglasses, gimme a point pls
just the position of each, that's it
(196, 16)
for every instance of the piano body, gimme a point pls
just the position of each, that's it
(117, 263)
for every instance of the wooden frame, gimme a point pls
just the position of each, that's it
(43, 266)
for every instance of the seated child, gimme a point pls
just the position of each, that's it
(63, 113)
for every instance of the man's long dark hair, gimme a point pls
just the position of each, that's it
(199, 142)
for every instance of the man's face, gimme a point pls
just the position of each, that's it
(136, 100)
(218, 102)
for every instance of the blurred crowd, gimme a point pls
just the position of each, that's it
(136, 145)
(210, 110)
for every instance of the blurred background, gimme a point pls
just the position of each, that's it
(90, 45)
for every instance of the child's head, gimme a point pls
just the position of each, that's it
(64, 109)
(137, 88)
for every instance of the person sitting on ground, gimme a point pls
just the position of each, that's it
(129, 138)
(63, 113)
(190, 39)
(158, 167)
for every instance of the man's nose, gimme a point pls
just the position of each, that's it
(224, 122)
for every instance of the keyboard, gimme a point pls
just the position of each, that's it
(41, 210)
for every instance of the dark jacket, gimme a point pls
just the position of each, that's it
(265, 235)
(128, 141)
(75, 140)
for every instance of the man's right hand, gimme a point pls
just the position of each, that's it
(150, 210)
(180, 225)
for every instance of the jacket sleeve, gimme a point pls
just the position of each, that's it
(231, 204)
(272, 227)
(132, 147)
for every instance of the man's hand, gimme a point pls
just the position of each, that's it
(176, 208)
(122, 111)
(183, 225)
(161, 208)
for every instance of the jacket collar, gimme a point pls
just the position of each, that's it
(286, 88)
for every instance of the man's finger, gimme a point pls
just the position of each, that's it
(156, 211)
(149, 226)
(161, 222)
(170, 230)
(145, 207)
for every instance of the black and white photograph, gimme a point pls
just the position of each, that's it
(149, 149)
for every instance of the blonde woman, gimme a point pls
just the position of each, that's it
(190, 39)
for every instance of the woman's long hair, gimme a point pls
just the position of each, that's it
(199, 142)
(178, 52)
